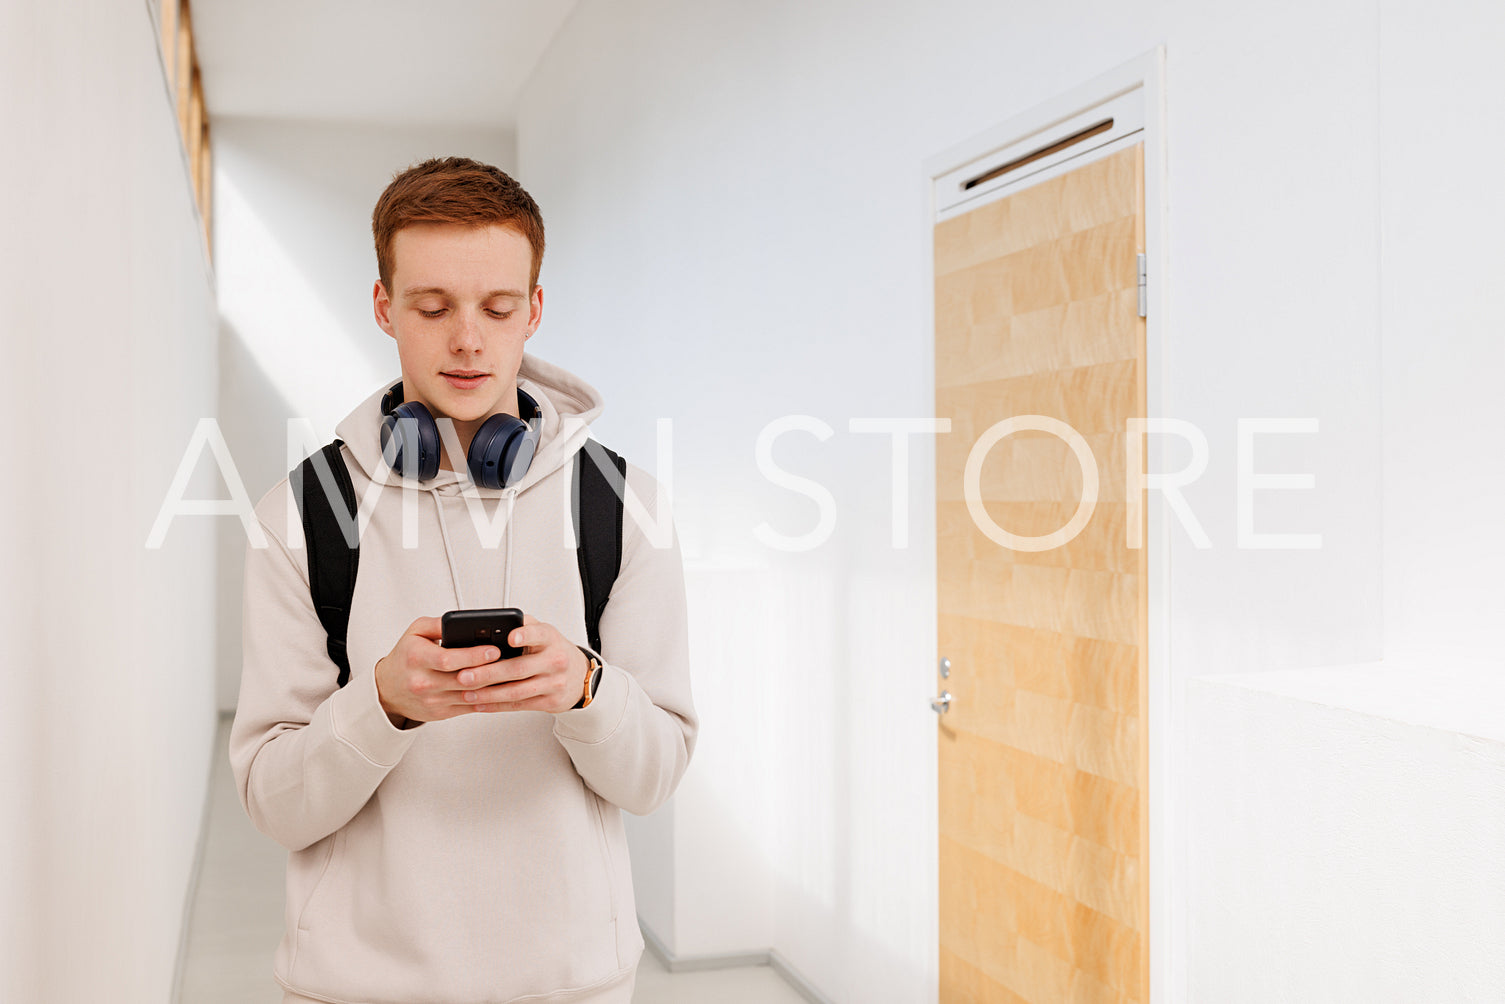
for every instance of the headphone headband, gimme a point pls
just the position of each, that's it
(528, 410)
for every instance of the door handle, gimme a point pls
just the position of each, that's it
(940, 705)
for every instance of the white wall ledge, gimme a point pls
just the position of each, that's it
(1452, 692)
(1345, 827)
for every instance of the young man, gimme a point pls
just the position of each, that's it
(453, 819)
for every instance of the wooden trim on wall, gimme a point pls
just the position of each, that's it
(194, 134)
(206, 184)
(185, 88)
(167, 22)
(182, 74)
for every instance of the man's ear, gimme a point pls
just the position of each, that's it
(381, 305)
(535, 311)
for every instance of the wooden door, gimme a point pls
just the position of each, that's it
(1043, 814)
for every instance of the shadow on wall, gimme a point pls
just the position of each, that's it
(308, 335)
(253, 416)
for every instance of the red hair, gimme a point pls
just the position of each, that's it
(454, 190)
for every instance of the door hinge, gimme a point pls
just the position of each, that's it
(1144, 299)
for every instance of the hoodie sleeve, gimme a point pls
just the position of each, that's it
(306, 753)
(633, 743)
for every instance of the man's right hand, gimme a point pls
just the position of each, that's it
(416, 680)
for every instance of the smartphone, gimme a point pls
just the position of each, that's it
(490, 626)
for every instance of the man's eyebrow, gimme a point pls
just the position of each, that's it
(425, 290)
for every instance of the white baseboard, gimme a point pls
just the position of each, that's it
(763, 957)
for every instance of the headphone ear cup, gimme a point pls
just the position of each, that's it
(410, 441)
(522, 455)
(492, 452)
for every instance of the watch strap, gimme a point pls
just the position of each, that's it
(592, 678)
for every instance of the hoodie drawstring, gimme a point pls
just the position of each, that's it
(507, 566)
(449, 554)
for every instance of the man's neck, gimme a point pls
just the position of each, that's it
(465, 432)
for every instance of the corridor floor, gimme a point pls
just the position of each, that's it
(236, 923)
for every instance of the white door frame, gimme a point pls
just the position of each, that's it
(1144, 75)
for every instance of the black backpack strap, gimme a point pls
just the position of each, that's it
(597, 491)
(333, 542)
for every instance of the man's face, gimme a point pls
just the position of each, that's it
(460, 310)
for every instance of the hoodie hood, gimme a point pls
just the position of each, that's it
(567, 404)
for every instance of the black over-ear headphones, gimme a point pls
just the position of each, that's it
(499, 454)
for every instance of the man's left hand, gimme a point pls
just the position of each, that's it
(548, 676)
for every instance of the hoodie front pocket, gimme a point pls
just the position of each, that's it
(321, 883)
(594, 802)
(331, 859)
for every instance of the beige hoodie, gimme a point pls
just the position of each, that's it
(479, 859)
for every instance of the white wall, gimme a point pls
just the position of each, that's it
(1274, 242)
(1346, 821)
(296, 264)
(735, 201)
(109, 350)
(1442, 206)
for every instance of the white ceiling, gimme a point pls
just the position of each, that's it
(410, 62)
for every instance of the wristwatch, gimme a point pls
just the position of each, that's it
(592, 678)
